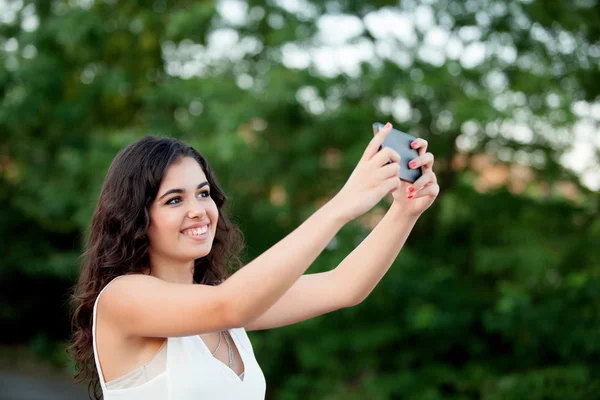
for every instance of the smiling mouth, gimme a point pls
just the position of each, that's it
(196, 231)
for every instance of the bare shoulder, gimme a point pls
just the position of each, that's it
(131, 281)
(126, 287)
(122, 290)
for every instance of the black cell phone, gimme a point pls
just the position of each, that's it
(400, 142)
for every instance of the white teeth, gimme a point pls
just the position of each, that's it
(196, 231)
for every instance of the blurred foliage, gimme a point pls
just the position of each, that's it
(495, 295)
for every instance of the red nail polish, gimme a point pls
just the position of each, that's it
(414, 145)
(412, 164)
(411, 189)
(410, 197)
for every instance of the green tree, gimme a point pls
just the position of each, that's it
(496, 294)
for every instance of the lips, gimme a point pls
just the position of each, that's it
(195, 231)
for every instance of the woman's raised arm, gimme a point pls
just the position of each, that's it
(140, 305)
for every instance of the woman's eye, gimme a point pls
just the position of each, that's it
(177, 200)
(174, 200)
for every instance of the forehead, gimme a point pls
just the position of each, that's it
(184, 173)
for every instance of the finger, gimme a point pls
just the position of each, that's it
(427, 178)
(388, 171)
(390, 184)
(426, 161)
(431, 190)
(375, 143)
(420, 145)
(384, 156)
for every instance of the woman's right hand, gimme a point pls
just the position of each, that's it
(371, 179)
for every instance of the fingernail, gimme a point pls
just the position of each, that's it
(410, 197)
(387, 125)
(412, 164)
(411, 189)
(413, 144)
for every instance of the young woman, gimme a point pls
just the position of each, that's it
(157, 314)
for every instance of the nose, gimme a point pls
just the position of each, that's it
(196, 211)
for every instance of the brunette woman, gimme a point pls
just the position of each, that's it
(157, 314)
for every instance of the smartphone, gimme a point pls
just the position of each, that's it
(400, 142)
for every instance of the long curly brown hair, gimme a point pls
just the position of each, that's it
(118, 244)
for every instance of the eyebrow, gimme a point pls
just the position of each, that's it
(177, 190)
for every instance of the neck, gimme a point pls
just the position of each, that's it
(172, 270)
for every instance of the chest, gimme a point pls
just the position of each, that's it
(195, 373)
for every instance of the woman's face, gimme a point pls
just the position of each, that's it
(183, 217)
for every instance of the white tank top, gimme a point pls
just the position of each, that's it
(192, 373)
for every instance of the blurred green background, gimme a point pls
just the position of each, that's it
(496, 294)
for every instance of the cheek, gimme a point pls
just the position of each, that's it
(213, 214)
(164, 224)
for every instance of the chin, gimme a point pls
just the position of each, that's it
(199, 253)
(193, 250)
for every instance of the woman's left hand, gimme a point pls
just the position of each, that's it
(415, 198)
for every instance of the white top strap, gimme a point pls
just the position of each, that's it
(98, 368)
